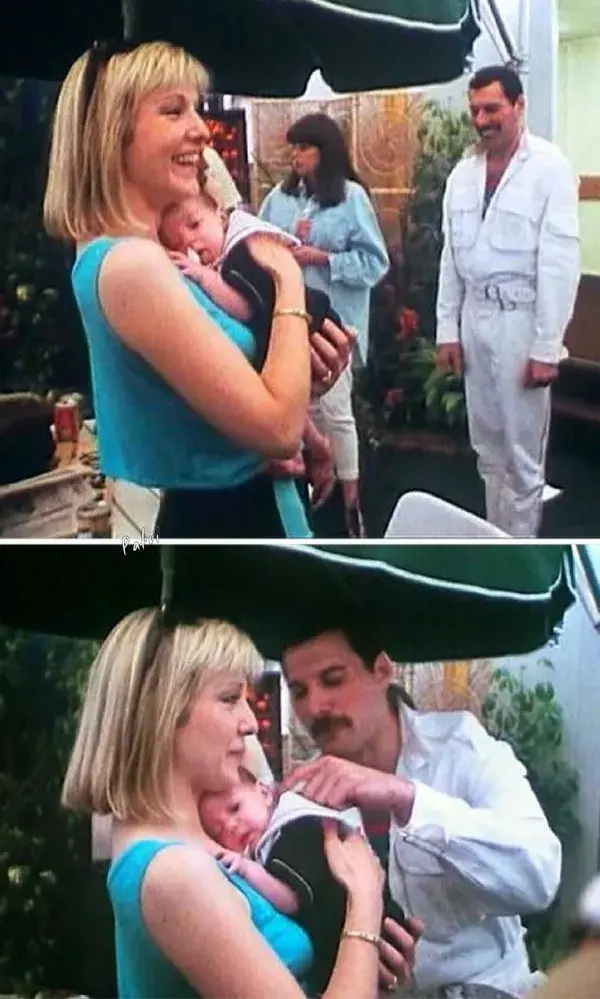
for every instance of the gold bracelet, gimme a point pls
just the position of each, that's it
(299, 313)
(371, 938)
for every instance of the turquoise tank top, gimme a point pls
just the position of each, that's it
(142, 970)
(148, 434)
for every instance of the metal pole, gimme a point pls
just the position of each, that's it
(524, 41)
(513, 56)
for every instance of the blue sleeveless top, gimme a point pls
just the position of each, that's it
(147, 433)
(142, 970)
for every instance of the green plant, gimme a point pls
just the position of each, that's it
(443, 136)
(42, 346)
(402, 387)
(44, 851)
(531, 721)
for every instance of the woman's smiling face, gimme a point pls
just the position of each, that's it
(164, 154)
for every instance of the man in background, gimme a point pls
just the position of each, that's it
(508, 281)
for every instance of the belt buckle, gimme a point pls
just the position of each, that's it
(493, 293)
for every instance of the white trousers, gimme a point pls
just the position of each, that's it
(334, 417)
(508, 424)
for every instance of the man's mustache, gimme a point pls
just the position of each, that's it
(327, 724)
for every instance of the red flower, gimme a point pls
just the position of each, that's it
(393, 397)
(408, 325)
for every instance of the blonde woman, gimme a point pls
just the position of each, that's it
(178, 404)
(164, 720)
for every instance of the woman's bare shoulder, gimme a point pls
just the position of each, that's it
(178, 861)
(184, 877)
(131, 260)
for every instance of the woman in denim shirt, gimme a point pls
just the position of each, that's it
(325, 204)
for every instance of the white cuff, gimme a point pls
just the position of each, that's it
(428, 823)
(447, 332)
(546, 352)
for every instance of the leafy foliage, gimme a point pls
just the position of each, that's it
(42, 346)
(443, 137)
(44, 852)
(402, 386)
(531, 721)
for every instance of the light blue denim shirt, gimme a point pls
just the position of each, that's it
(350, 233)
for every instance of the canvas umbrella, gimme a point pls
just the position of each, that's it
(258, 47)
(423, 602)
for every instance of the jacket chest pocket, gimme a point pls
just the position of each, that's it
(433, 893)
(513, 226)
(464, 216)
(332, 230)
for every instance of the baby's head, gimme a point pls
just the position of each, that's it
(237, 818)
(194, 224)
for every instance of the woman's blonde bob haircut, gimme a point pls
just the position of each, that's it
(122, 758)
(85, 194)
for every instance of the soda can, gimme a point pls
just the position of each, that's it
(66, 421)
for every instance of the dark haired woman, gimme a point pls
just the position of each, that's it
(324, 203)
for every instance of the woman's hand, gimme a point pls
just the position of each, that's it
(273, 255)
(353, 862)
(310, 256)
(288, 468)
(330, 352)
(320, 473)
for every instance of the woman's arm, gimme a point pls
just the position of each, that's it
(200, 923)
(149, 306)
(365, 260)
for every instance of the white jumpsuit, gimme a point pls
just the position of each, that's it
(507, 289)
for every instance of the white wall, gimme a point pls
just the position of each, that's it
(576, 680)
(579, 60)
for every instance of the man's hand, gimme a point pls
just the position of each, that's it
(309, 256)
(449, 357)
(538, 374)
(398, 956)
(339, 783)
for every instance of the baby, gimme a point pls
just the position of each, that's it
(278, 848)
(213, 254)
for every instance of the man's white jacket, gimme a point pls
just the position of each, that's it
(476, 854)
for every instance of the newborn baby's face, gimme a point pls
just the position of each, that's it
(238, 818)
(197, 226)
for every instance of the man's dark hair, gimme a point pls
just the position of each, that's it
(506, 76)
(362, 639)
(335, 166)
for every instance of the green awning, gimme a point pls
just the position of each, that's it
(424, 602)
(261, 48)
